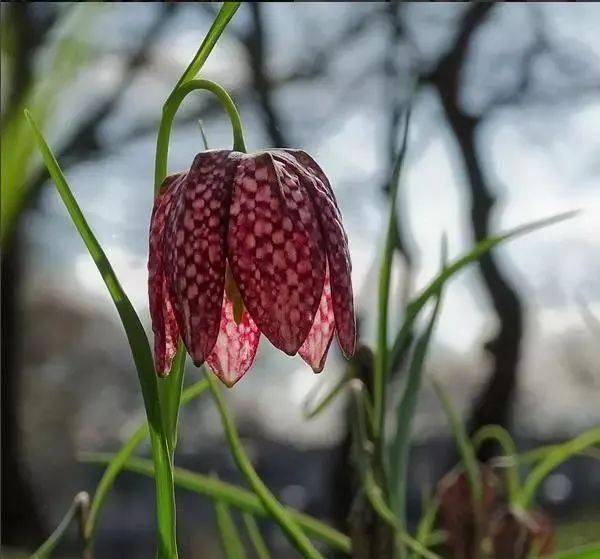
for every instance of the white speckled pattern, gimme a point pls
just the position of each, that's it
(272, 217)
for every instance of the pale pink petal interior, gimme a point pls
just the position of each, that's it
(315, 347)
(236, 346)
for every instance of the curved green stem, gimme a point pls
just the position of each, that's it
(170, 109)
(255, 537)
(375, 496)
(78, 506)
(553, 460)
(501, 436)
(289, 526)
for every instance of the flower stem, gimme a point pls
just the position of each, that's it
(166, 123)
(294, 533)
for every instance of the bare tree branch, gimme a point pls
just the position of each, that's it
(255, 45)
(493, 404)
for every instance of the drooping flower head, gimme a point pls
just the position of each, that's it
(243, 244)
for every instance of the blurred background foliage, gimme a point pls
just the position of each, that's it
(505, 130)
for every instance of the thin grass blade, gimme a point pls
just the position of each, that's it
(140, 350)
(312, 409)
(230, 538)
(385, 272)
(403, 337)
(80, 501)
(400, 447)
(232, 495)
(591, 551)
(289, 526)
(465, 448)
(426, 523)
(553, 460)
(224, 16)
(120, 459)
(258, 543)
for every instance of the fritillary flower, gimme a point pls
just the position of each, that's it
(244, 244)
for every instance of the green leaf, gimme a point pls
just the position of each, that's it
(259, 545)
(465, 448)
(554, 459)
(279, 513)
(140, 350)
(381, 355)
(403, 337)
(375, 496)
(426, 523)
(312, 410)
(400, 447)
(227, 11)
(230, 494)
(120, 459)
(169, 392)
(230, 539)
(591, 551)
(537, 454)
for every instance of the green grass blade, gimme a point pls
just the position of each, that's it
(501, 435)
(375, 496)
(120, 459)
(465, 448)
(403, 336)
(225, 14)
(232, 495)
(80, 500)
(312, 410)
(260, 547)
(537, 454)
(230, 538)
(140, 350)
(553, 460)
(590, 551)
(426, 523)
(290, 528)
(169, 391)
(385, 272)
(399, 450)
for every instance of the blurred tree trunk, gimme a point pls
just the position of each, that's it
(255, 42)
(493, 404)
(21, 522)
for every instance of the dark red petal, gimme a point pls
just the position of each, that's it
(315, 347)
(164, 325)
(336, 241)
(236, 346)
(195, 250)
(276, 250)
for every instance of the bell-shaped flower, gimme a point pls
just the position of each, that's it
(248, 243)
